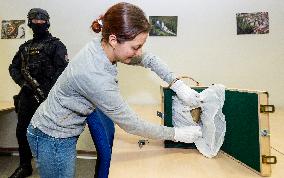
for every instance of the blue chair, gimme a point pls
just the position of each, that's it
(102, 132)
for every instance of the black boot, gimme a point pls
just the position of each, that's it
(22, 172)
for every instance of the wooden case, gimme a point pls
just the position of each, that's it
(247, 138)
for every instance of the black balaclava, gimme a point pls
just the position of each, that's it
(39, 30)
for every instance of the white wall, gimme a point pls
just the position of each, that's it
(206, 48)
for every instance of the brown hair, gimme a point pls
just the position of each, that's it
(123, 20)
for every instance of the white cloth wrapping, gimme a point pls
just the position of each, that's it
(213, 124)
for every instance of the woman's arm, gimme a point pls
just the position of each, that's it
(100, 89)
(108, 99)
(184, 92)
(156, 65)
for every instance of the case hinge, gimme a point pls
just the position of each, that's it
(265, 133)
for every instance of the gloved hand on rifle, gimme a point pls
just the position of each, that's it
(26, 85)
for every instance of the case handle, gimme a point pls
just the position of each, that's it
(183, 77)
(190, 78)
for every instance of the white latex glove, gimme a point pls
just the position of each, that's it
(186, 94)
(187, 134)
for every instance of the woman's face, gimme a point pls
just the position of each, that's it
(124, 52)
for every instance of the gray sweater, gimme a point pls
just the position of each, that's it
(89, 81)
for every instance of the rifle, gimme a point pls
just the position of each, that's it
(38, 93)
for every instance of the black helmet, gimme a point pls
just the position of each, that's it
(38, 13)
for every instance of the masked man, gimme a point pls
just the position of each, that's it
(35, 68)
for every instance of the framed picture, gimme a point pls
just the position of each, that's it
(12, 29)
(252, 23)
(163, 25)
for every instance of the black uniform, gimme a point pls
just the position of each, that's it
(45, 59)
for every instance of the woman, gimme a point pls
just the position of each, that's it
(89, 82)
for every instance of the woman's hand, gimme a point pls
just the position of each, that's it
(187, 134)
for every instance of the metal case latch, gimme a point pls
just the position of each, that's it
(160, 114)
(269, 159)
(267, 108)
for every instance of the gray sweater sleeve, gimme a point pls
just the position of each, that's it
(105, 95)
(156, 65)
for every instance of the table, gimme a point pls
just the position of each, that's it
(6, 106)
(155, 161)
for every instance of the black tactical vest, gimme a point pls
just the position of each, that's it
(39, 57)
